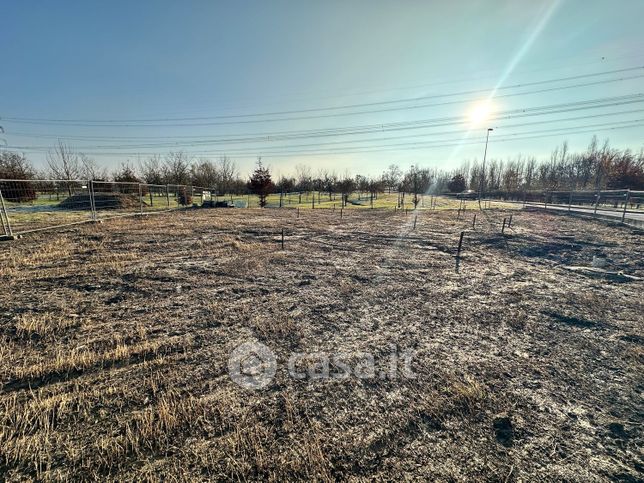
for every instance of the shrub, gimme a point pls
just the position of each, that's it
(14, 166)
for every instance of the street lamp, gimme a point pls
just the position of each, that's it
(487, 137)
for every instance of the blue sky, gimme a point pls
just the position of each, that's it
(89, 63)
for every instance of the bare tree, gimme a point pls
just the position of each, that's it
(304, 178)
(227, 173)
(152, 170)
(64, 163)
(90, 170)
(392, 177)
(177, 168)
(204, 173)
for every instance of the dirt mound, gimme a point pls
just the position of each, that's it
(109, 201)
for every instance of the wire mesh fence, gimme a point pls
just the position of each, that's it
(34, 205)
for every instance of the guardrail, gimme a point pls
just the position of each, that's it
(622, 202)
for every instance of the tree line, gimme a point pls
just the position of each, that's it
(596, 168)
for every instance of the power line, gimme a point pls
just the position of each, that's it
(176, 122)
(604, 102)
(406, 146)
(368, 140)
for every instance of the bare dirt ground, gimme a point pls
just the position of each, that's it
(116, 338)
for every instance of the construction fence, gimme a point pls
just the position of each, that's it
(45, 204)
(35, 205)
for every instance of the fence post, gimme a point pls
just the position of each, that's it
(503, 227)
(92, 200)
(597, 196)
(415, 219)
(167, 194)
(474, 222)
(140, 199)
(6, 216)
(282, 238)
(628, 195)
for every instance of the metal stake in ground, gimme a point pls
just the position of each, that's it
(460, 244)
(474, 222)
(140, 199)
(503, 227)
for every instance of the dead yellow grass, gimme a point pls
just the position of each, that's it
(44, 325)
(67, 361)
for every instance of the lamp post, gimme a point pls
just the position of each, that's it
(487, 137)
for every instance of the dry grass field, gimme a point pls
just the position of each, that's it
(115, 341)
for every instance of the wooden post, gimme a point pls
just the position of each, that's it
(282, 238)
(167, 194)
(460, 244)
(474, 222)
(341, 212)
(298, 212)
(510, 222)
(415, 219)
(503, 227)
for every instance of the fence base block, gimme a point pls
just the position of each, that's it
(10, 237)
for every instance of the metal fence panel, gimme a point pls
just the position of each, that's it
(33, 205)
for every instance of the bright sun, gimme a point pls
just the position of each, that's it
(480, 112)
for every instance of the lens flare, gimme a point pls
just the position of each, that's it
(480, 112)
